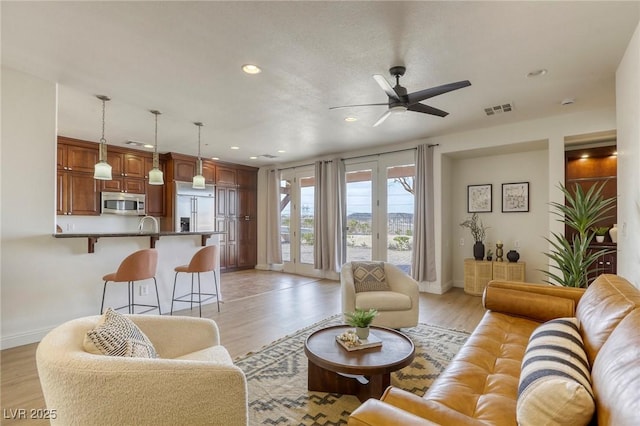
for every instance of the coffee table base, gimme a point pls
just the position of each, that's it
(323, 380)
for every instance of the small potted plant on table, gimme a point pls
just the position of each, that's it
(361, 320)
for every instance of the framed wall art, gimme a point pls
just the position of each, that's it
(479, 198)
(515, 197)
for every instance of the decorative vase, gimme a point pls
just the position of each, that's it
(513, 256)
(613, 233)
(362, 333)
(600, 238)
(499, 251)
(478, 250)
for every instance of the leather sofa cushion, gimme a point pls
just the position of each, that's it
(481, 383)
(616, 374)
(605, 303)
(383, 301)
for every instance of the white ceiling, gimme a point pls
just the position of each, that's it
(184, 59)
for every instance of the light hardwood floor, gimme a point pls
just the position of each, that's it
(259, 307)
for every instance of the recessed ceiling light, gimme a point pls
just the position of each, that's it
(251, 69)
(253, 157)
(350, 119)
(537, 73)
(281, 151)
(234, 147)
(215, 158)
(148, 145)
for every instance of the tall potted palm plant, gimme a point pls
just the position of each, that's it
(580, 213)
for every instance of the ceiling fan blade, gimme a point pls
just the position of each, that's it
(427, 110)
(384, 84)
(421, 95)
(382, 118)
(362, 105)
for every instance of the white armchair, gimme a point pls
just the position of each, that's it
(396, 308)
(193, 382)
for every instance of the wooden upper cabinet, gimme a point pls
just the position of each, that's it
(77, 194)
(209, 171)
(225, 176)
(247, 178)
(125, 164)
(77, 158)
(183, 169)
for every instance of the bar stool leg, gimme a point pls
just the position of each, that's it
(132, 298)
(157, 295)
(199, 296)
(215, 278)
(173, 296)
(191, 295)
(104, 290)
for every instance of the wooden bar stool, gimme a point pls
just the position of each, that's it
(138, 266)
(205, 260)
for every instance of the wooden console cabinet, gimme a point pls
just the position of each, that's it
(478, 273)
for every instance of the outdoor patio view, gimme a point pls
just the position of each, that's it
(361, 220)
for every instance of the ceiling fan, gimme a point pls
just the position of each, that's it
(401, 101)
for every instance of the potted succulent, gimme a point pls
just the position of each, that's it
(361, 319)
(600, 232)
(489, 255)
(478, 232)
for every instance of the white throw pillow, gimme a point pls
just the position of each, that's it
(117, 335)
(555, 380)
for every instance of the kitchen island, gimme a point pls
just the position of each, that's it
(92, 238)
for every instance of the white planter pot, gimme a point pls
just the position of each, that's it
(362, 333)
(600, 238)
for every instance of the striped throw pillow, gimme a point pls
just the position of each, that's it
(369, 276)
(555, 380)
(117, 335)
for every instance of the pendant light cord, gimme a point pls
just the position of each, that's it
(102, 139)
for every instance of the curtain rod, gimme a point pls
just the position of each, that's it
(361, 156)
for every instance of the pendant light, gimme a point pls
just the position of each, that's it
(198, 180)
(155, 174)
(102, 170)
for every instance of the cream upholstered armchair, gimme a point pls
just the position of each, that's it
(192, 382)
(396, 303)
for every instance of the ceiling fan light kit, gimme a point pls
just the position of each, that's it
(400, 101)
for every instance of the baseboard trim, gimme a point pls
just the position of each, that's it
(24, 338)
(435, 287)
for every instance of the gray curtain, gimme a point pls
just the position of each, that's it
(328, 249)
(424, 259)
(274, 249)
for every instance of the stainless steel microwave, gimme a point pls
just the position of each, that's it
(122, 203)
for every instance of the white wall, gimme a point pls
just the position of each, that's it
(46, 281)
(628, 118)
(524, 227)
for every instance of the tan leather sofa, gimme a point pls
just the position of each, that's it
(479, 387)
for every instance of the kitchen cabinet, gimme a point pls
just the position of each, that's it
(119, 184)
(227, 221)
(73, 156)
(247, 218)
(209, 171)
(76, 194)
(155, 193)
(184, 169)
(225, 175)
(125, 164)
(605, 263)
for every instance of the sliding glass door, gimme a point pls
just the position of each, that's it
(297, 217)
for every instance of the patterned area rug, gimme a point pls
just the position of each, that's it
(277, 377)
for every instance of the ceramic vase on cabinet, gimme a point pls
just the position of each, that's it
(513, 256)
(478, 250)
(613, 233)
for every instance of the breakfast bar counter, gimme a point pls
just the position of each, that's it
(92, 238)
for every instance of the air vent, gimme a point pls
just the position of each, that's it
(499, 109)
(269, 156)
(134, 143)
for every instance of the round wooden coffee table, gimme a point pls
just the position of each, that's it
(365, 373)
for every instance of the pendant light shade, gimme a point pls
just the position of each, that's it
(198, 180)
(155, 174)
(102, 169)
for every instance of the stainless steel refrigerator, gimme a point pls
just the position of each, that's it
(194, 208)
